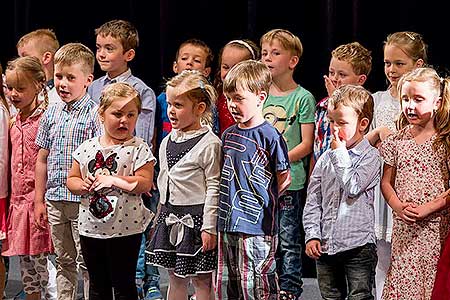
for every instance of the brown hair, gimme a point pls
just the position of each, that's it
(201, 44)
(287, 39)
(356, 97)
(44, 40)
(411, 43)
(118, 90)
(251, 75)
(122, 30)
(356, 55)
(74, 53)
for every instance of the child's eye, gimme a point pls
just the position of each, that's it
(71, 78)
(198, 61)
(117, 114)
(387, 64)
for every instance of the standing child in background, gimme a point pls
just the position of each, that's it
(116, 43)
(4, 169)
(338, 216)
(255, 172)
(25, 80)
(290, 108)
(63, 127)
(42, 44)
(415, 184)
(350, 64)
(185, 240)
(109, 173)
(403, 51)
(233, 52)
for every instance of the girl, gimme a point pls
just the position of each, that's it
(403, 51)
(4, 166)
(415, 184)
(25, 80)
(110, 172)
(185, 241)
(233, 52)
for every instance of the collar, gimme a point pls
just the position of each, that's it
(36, 113)
(361, 147)
(50, 84)
(76, 105)
(323, 103)
(179, 136)
(121, 78)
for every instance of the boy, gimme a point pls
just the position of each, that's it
(116, 43)
(255, 172)
(339, 212)
(42, 43)
(63, 127)
(290, 108)
(350, 64)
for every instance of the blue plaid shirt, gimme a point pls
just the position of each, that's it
(62, 128)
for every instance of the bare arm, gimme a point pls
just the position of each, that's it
(40, 210)
(284, 180)
(306, 146)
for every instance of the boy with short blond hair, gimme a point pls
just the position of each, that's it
(290, 108)
(350, 64)
(339, 213)
(255, 172)
(62, 128)
(43, 44)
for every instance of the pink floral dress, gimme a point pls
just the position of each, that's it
(22, 236)
(421, 174)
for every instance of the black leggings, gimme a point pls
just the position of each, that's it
(111, 263)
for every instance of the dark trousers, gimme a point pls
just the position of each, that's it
(111, 263)
(348, 275)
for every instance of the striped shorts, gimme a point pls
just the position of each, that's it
(246, 267)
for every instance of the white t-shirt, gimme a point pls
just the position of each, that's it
(112, 212)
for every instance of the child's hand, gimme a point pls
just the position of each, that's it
(87, 184)
(313, 249)
(209, 241)
(384, 132)
(40, 215)
(101, 182)
(329, 85)
(402, 212)
(336, 142)
(417, 212)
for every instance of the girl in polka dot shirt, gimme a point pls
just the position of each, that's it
(110, 172)
(185, 241)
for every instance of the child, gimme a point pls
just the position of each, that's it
(415, 184)
(193, 54)
(62, 128)
(338, 217)
(255, 172)
(109, 173)
(4, 169)
(25, 79)
(290, 108)
(233, 52)
(42, 43)
(185, 240)
(403, 51)
(350, 64)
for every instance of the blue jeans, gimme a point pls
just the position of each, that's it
(148, 274)
(349, 274)
(289, 253)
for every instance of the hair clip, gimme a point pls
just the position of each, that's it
(410, 36)
(246, 45)
(201, 84)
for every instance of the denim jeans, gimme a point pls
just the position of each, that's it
(289, 253)
(349, 274)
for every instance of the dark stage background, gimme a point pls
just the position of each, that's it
(163, 25)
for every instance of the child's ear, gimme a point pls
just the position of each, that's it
(130, 54)
(364, 122)
(262, 96)
(362, 79)
(47, 58)
(175, 67)
(419, 63)
(207, 71)
(89, 80)
(201, 107)
(293, 62)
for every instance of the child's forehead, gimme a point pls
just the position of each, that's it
(341, 63)
(193, 49)
(67, 67)
(108, 38)
(342, 110)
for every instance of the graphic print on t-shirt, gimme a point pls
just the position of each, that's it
(99, 205)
